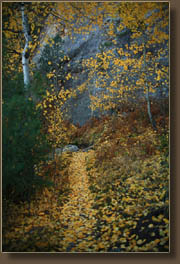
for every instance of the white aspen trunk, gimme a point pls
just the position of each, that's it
(25, 53)
(25, 63)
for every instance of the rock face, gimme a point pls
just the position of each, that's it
(86, 47)
(48, 33)
(81, 48)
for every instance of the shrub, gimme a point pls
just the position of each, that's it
(24, 145)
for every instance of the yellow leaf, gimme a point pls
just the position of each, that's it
(160, 216)
(155, 219)
(41, 213)
(140, 241)
(100, 245)
(166, 220)
(123, 239)
(157, 240)
(41, 244)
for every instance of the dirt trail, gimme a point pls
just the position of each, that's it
(77, 215)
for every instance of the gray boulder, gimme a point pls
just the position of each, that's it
(59, 151)
(70, 148)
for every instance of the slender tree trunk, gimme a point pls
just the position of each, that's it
(26, 50)
(153, 123)
(149, 109)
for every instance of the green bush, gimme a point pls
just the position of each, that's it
(23, 143)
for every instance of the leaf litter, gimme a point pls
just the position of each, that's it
(97, 204)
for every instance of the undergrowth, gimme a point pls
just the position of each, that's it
(129, 173)
(128, 177)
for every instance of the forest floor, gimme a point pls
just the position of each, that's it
(112, 198)
(77, 214)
